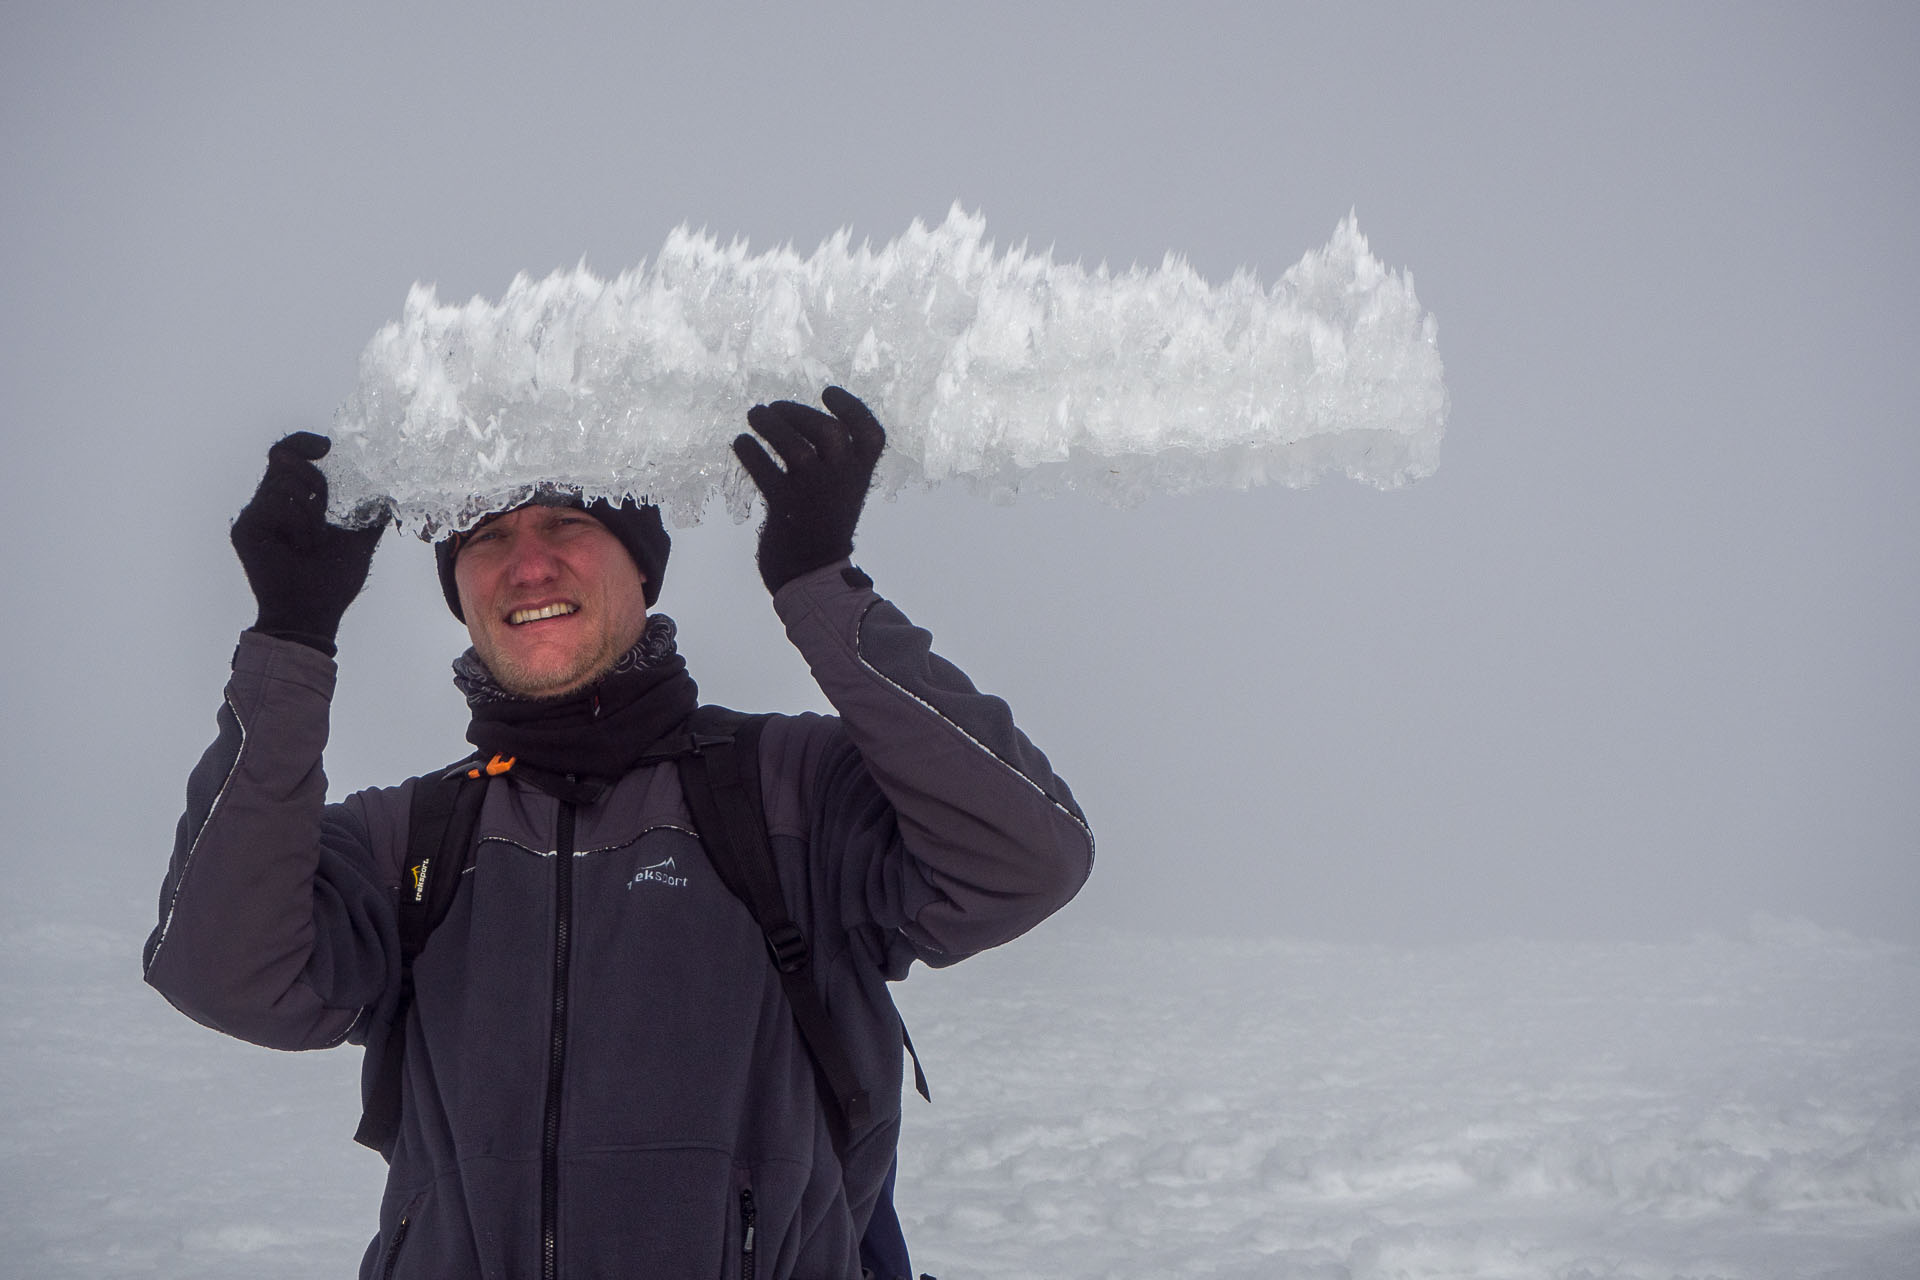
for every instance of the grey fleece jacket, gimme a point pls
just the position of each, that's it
(596, 1023)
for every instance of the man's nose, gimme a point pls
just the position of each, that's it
(532, 561)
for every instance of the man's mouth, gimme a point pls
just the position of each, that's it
(519, 616)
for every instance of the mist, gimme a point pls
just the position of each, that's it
(1636, 663)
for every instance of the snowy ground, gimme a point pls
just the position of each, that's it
(1111, 1105)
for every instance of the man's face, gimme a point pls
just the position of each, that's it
(551, 597)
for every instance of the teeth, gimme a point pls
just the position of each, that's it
(519, 616)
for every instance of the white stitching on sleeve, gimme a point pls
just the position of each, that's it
(180, 881)
(984, 749)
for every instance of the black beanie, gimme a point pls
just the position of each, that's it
(638, 527)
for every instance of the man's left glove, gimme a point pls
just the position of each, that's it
(304, 572)
(813, 505)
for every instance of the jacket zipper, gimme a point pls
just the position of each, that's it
(747, 1242)
(392, 1259)
(557, 1045)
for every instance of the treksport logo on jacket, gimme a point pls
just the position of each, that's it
(659, 873)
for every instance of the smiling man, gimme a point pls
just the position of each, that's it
(555, 594)
(599, 1070)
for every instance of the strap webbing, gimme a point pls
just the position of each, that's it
(440, 827)
(720, 779)
(919, 1076)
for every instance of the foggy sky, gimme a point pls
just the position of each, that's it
(1638, 661)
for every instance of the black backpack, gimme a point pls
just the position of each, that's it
(718, 760)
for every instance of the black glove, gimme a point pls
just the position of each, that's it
(813, 505)
(304, 572)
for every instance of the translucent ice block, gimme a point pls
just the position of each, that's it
(1007, 371)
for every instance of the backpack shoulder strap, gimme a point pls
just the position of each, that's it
(440, 827)
(720, 774)
(441, 821)
(705, 728)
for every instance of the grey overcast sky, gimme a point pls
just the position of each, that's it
(1639, 661)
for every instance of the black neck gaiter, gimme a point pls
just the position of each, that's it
(600, 731)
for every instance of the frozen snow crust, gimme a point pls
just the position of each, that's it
(1006, 370)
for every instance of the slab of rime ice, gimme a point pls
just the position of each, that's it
(1007, 371)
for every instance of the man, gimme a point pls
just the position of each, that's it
(602, 1074)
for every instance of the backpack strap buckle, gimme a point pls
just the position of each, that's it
(788, 947)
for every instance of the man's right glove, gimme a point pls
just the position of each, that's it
(813, 505)
(304, 572)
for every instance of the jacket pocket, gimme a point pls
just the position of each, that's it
(397, 1237)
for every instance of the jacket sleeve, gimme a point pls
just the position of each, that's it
(274, 925)
(992, 839)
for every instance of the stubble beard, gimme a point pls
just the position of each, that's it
(545, 685)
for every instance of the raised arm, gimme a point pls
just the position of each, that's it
(994, 836)
(273, 926)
